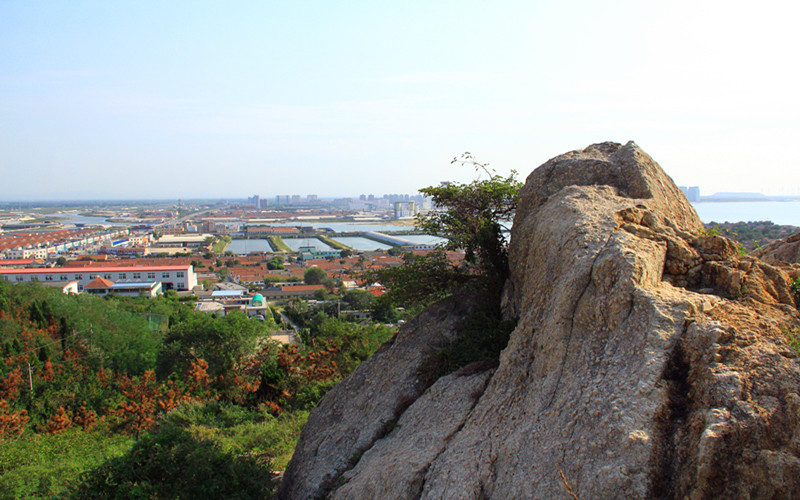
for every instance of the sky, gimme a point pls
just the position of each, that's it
(179, 99)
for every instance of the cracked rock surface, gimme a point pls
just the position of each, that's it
(649, 361)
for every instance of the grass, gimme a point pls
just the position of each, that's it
(239, 431)
(277, 244)
(333, 243)
(795, 288)
(793, 336)
(220, 245)
(45, 465)
(51, 465)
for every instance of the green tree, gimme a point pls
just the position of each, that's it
(383, 310)
(395, 251)
(314, 276)
(421, 280)
(221, 342)
(473, 217)
(275, 263)
(358, 299)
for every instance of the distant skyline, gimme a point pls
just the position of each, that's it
(146, 100)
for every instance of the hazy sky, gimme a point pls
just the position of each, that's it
(228, 99)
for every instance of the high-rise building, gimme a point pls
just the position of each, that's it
(404, 209)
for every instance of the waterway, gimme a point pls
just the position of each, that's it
(422, 239)
(344, 227)
(240, 247)
(360, 243)
(779, 212)
(68, 218)
(296, 243)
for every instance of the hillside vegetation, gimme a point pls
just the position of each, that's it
(92, 389)
(752, 234)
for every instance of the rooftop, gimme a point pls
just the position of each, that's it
(97, 269)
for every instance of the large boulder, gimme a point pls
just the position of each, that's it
(786, 250)
(649, 361)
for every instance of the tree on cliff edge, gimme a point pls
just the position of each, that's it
(472, 217)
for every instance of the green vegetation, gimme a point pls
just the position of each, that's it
(751, 234)
(222, 342)
(421, 280)
(277, 244)
(795, 287)
(275, 262)
(471, 217)
(483, 336)
(149, 398)
(200, 451)
(314, 276)
(271, 279)
(793, 336)
(46, 465)
(333, 243)
(219, 246)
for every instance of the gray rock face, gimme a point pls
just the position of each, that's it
(786, 250)
(647, 362)
(366, 406)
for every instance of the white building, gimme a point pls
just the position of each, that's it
(170, 277)
(181, 241)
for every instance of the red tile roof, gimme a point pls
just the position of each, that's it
(99, 283)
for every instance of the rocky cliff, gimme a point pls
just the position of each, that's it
(649, 361)
(786, 251)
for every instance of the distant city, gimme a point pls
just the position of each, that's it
(129, 228)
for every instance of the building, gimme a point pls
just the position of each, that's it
(311, 253)
(171, 277)
(225, 301)
(66, 287)
(182, 241)
(284, 292)
(692, 192)
(102, 286)
(404, 209)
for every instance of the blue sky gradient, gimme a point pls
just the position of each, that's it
(205, 99)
